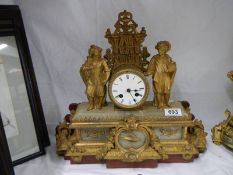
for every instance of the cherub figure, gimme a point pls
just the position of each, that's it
(95, 74)
(163, 71)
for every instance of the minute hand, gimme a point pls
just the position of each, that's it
(129, 91)
(136, 90)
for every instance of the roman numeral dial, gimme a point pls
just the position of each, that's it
(128, 89)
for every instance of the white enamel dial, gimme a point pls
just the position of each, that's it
(128, 89)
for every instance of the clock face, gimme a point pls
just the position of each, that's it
(128, 89)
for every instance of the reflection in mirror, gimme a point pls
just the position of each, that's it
(14, 103)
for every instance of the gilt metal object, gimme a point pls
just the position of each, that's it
(110, 134)
(222, 133)
(95, 73)
(163, 71)
(129, 129)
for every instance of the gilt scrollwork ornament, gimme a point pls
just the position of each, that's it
(222, 133)
(65, 136)
(198, 135)
(126, 42)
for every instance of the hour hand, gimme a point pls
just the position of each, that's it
(137, 94)
(119, 96)
(136, 90)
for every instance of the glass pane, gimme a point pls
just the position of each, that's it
(14, 103)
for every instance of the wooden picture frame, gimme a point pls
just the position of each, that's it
(24, 104)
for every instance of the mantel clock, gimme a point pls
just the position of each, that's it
(129, 131)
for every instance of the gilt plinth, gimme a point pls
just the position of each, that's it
(122, 138)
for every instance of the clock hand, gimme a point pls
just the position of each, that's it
(137, 94)
(120, 96)
(133, 98)
(136, 90)
(129, 91)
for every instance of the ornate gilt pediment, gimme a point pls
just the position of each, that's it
(126, 43)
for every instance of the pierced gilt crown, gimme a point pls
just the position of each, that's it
(126, 43)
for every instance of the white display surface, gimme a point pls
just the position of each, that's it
(60, 32)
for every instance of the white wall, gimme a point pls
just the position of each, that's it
(201, 33)
(8, 2)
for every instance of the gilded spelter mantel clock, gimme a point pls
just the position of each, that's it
(129, 131)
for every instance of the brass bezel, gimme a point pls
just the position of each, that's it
(125, 71)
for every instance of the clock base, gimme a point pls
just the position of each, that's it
(121, 164)
(131, 139)
(178, 158)
(115, 163)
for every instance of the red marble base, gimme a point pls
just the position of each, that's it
(176, 159)
(66, 158)
(122, 164)
(86, 160)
